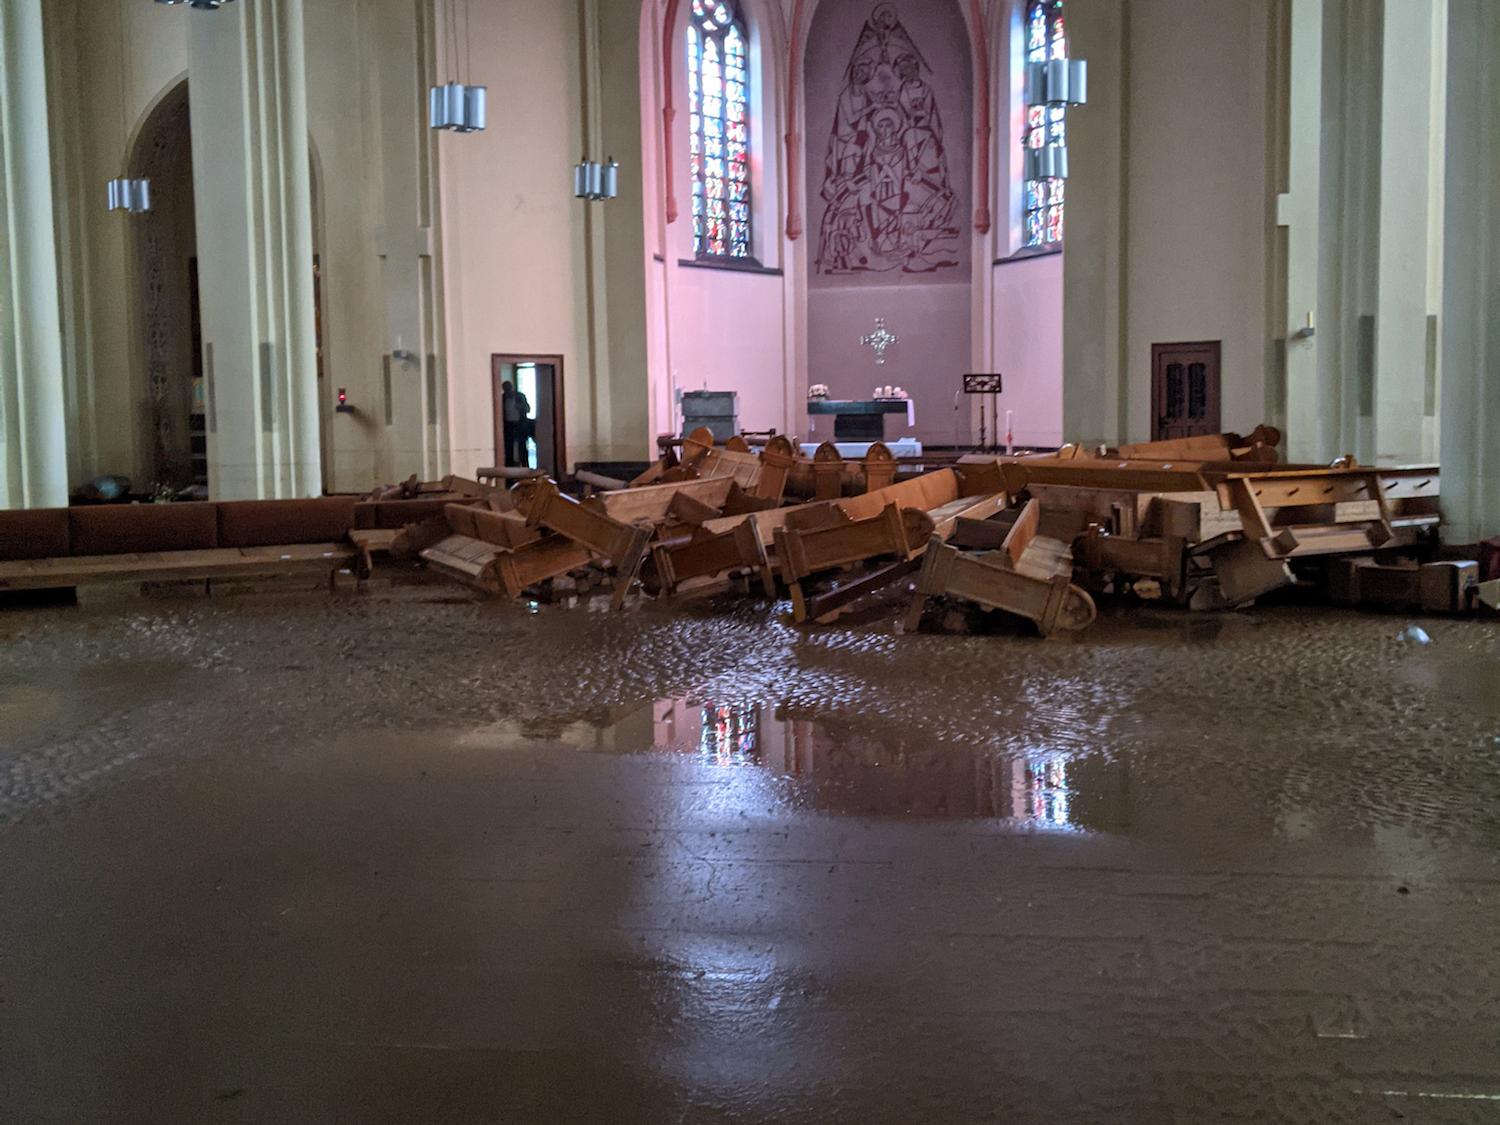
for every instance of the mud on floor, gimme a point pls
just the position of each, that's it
(1148, 724)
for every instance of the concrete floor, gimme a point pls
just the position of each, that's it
(403, 857)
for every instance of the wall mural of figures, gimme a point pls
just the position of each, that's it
(888, 183)
(890, 201)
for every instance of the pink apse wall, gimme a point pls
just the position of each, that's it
(889, 155)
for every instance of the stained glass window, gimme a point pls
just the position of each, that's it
(719, 129)
(1042, 211)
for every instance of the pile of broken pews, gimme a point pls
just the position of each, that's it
(1204, 522)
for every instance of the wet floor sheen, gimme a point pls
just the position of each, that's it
(407, 857)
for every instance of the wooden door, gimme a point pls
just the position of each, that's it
(1185, 388)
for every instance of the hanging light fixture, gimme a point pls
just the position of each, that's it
(130, 195)
(596, 182)
(1055, 84)
(198, 5)
(459, 106)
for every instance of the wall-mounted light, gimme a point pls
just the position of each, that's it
(596, 182)
(130, 195)
(343, 406)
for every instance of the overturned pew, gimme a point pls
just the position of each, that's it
(1029, 576)
(894, 533)
(706, 559)
(622, 544)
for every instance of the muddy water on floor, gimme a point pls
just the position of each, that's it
(826, 764)
(1279, 722)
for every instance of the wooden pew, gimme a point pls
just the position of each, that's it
(892, 532)
(624, 545)
(1029, 575)
(709, 555)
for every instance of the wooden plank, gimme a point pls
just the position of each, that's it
(1245, 571)
(653, 502)
(1022, 532)
(946, 517)
(686, 510)
(1083, 474)
(825, 607)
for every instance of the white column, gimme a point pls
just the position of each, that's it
(1471, 276)
(1311, 406)
(1095, 408)
(252, 192)
(33, 425)
(1401, 308)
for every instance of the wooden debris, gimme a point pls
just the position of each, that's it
(1439, 587)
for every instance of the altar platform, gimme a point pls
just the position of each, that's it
(860, 420)
(854, 450)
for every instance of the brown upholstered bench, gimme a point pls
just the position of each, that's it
(62, 547)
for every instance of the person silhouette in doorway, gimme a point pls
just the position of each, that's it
(516, 414)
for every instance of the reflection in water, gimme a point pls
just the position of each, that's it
(827, 765)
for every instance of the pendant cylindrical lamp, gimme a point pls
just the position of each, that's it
(129, 195)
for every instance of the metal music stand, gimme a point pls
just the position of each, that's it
(986, 385)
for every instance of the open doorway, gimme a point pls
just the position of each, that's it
(539, 378)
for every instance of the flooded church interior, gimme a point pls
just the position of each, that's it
(707, 561)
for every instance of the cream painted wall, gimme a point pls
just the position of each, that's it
(1027, 316)
(513, 236)
(1197, 209)
(1171, 207)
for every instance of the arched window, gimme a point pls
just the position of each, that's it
(719, 125)
(1046, 126)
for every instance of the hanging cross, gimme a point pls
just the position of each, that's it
(880, 339)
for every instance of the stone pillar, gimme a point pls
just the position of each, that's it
(253, 194)
(33, 423)
(1471, 277)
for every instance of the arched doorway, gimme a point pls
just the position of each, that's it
(165, 299)
(164, 296)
